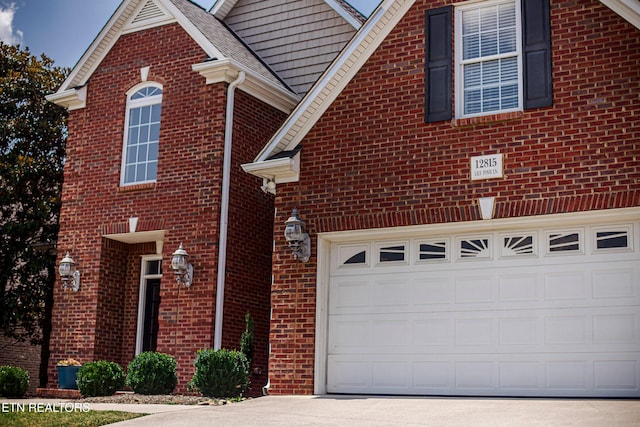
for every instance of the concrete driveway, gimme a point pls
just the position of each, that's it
(297, 411)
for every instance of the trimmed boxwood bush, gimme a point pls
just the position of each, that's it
(14, 381)
(100, 378)
(152, 373)
(221, 373)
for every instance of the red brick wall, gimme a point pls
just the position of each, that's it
(371, 161)
(100, 320)
(250, 238)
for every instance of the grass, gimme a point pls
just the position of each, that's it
(66, 419)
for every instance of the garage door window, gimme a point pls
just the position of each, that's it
(359, 258)
(475, 248)
(518, 245)
(353, 256)
(395, 253)
(433, 251)
(612, 239)
(564, 242)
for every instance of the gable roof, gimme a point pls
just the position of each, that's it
(221, 9)
(271, 166)
(218, 43)
(298, 39)
(337, 76)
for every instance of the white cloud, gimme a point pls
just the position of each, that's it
(7, 34)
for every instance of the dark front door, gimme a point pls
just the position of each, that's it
(151, 308)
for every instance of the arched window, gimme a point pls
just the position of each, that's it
(142, 133)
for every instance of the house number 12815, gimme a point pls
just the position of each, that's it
(491, 162)
(485, 167)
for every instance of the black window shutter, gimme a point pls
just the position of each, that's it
(438, 65)
(536, 36)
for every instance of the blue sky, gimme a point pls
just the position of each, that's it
(64, 29)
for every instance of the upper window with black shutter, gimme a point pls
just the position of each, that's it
(502, 58)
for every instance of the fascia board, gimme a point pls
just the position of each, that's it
(102, 44)
(336, 77)
(227, 70)
(222, 7)
(628, 9)
(344, 14)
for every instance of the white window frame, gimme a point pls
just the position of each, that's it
(628, 228)
(142, 296)
(131, 104)
(460, 63)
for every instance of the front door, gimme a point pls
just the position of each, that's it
(149, 303)
(152, 306)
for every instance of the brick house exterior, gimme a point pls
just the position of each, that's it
(388, 194)
(220, 103)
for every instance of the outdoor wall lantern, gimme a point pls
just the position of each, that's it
(297, 238)
(70, 276)
(181, 267)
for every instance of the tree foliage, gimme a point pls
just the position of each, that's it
(32, 146)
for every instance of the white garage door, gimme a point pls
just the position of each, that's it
(546, 312)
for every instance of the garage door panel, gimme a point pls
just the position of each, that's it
(486, 375)
(522, 287)
(517, 331)
(432, 291)
(475, 375)
(392, 292)
(562, 329)
(349, 294)
(530, 320)
(349, 375)
(520, 375)
(569, 376)
(615, 328)
(432, 332)
(370, 294)
(520, 331)
(349, 335)
(616, 375)
(475, 332)
(392, 375)
(432, 375)
(566, 285)
(474, 289)
(615, 283)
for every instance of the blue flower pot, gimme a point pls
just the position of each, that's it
(67, 377)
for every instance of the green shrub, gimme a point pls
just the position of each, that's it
(221, 373)
(152, 373)
(14, 381)
(100, 378)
